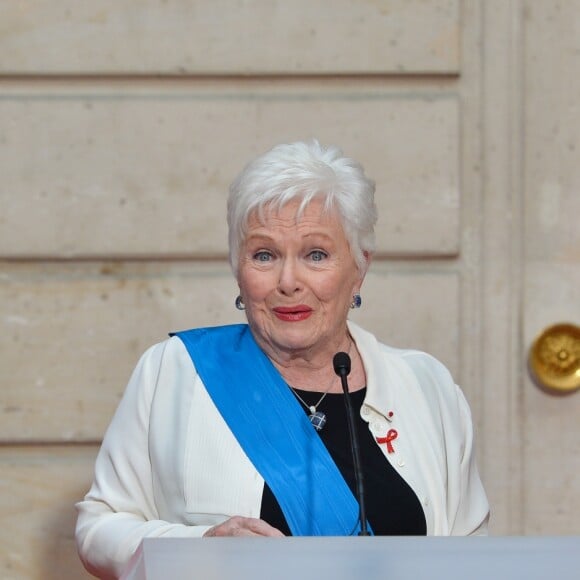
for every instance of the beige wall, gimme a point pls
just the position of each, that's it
(121, 126)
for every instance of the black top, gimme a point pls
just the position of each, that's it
(392, 507)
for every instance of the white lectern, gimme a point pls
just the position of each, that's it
(356, 558)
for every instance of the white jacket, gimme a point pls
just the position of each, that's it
(169, 465)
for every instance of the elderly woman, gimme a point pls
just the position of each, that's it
(242, 430)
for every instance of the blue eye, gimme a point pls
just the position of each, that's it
(262, 256)
(318, 255)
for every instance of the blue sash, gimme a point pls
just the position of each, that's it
(273, 431)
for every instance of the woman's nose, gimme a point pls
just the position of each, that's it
(288, 282)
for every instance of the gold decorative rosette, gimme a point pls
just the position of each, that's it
(555, 357)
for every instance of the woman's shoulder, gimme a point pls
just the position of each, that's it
(423, 362)
(412, 375)
(172, 353)
(419, 367)
(369, 342)
(174, 342)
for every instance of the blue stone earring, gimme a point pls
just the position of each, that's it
(240, 303)
(356, 301)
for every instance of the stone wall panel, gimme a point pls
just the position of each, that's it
(147, 174)
(38, 489)
(229, 37)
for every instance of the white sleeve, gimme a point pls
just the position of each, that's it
(470, 506)
(119, 510)
(466, 503)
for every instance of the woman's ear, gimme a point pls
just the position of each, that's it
(362, 272)
(367, 263)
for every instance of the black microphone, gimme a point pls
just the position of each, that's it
(341, 363)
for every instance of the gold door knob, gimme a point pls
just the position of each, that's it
(555, 357)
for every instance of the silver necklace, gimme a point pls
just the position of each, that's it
(318, 418)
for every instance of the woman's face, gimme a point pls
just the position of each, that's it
(297, 279)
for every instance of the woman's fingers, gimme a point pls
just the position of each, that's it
(240, 526)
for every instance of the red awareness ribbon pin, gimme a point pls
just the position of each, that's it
(391, 436)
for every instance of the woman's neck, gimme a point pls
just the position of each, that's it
(315, 372)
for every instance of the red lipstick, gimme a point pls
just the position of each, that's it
(293, 313)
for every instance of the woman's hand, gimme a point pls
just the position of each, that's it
(239, 526)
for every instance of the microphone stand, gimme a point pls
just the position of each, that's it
(341, 363)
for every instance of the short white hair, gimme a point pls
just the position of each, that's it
(305, 170)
